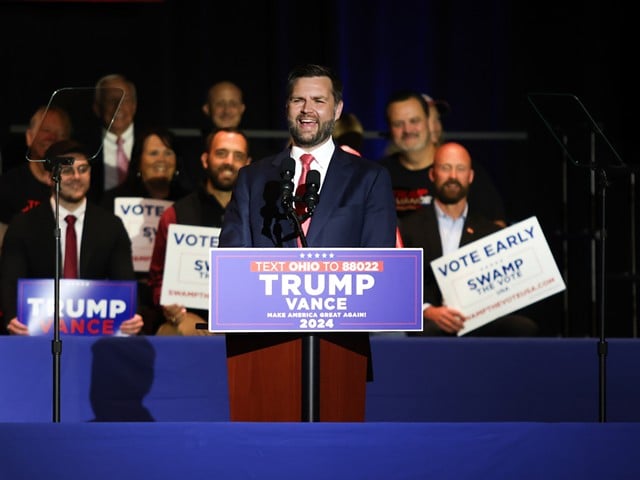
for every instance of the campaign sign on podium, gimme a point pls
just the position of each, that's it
(87, 307)
(498, 274)
(315, 290)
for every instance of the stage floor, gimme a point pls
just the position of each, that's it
(310, 451)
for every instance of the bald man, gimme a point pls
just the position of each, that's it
(225, 105)
(440, 228)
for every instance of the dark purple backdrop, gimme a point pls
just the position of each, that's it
(483, 57)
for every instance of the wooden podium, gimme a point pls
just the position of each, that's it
(307, 313)
(265, 376)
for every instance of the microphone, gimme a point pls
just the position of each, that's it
(312, 185)
(287, 171)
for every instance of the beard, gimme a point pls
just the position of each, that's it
(450, 196)
(305, 140)
(224, 184)
(74, 191)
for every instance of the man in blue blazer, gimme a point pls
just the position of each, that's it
(29, 250)
(353, 210)
(356, 208)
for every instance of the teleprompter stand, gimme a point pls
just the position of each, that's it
(565, 116)
(76, 104)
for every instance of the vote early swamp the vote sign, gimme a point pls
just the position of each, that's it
(498, 274)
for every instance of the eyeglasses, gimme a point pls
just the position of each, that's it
(68, 170)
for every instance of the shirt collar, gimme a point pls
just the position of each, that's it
(78, 212)
(441, 214)
(322, 153)
(127, 135)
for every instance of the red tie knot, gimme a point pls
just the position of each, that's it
(306, 159)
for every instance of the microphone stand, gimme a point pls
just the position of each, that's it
(310, 362)
(602, 342)
(310, 397)
(54, 165)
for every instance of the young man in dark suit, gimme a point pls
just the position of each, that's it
(29, 249)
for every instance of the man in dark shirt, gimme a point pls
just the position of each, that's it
(414, 148)
(228, 151)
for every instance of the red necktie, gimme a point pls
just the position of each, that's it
(70, 249)
(399, 241)
(306, 160)
(122, 160)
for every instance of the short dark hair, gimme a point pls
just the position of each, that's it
(213, 133)
(404, 95)
(313, 70)
(65, 147)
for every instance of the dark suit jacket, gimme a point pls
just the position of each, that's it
(29, 250)
(356, 207)
(420, 230)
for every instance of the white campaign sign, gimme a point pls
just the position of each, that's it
(186, 266)
(140, 217)
(498, 274)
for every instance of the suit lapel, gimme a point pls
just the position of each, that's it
(431, 240)
(335, 182)
(473, 229)
(86, 240)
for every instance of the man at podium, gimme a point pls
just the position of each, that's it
(352, 206)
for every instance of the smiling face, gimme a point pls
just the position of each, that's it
(109, 97)
(228, 152)
(157, 161)
(408, 125)
(75, 179)
(46, 128)
(312, 111)
(224, 106)
(452, 173)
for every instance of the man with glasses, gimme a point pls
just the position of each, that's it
(29, 248)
